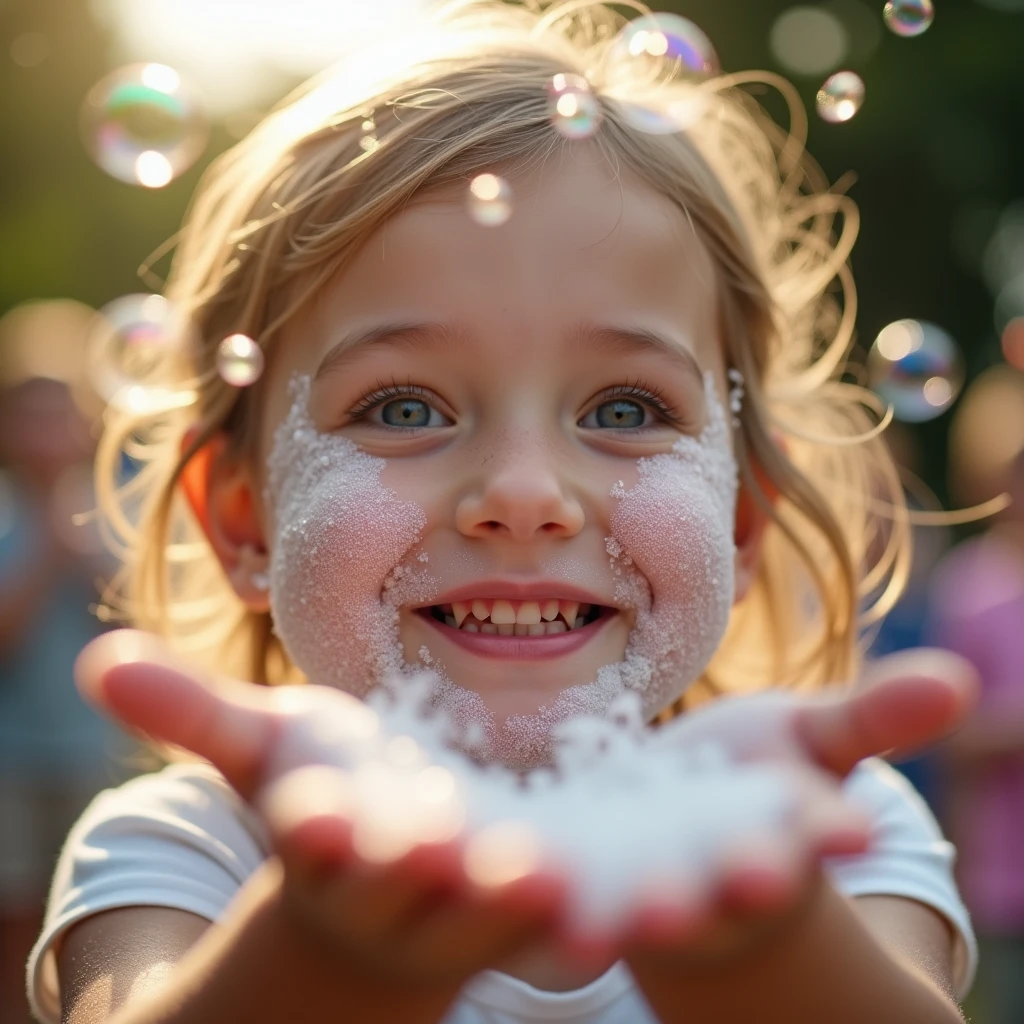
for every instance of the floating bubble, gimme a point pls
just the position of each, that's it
(574, 109)
(130, 346)
(489, 200)
(916, 367)
(840, 97)
(665, 45)
(909, 17)
(143, 125)
(239, 360)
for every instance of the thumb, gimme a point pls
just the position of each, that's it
(133, 678)
(905, 701)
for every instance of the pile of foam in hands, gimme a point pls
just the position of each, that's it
(623, 813)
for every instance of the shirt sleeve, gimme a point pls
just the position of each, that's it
(909, 857)
(179, 838)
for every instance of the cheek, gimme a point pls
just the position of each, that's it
(336, 568)
(677, 531)
(329, 570)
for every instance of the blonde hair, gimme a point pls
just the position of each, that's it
(278, 215)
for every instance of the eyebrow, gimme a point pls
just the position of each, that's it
(585, 337)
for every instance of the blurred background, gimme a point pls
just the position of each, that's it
(109, 111)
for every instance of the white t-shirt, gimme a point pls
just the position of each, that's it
(182, 838)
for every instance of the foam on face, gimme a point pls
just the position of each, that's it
(340, 563)
(342, 566)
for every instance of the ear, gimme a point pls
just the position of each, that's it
(222, 494)
(752, 518)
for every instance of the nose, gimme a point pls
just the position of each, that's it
(521, 500)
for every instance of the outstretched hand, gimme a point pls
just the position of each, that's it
(412, 914)
(904, 702)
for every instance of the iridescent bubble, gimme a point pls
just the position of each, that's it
(574, 109)
(239, 360)
(143, 125)
(840, 97)
(909, 17)
(489, 200)
(667, 44)
(131, 349)
(917, 368)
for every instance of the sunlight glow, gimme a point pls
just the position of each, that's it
(241, 53)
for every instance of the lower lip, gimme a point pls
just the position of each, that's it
(520, 648)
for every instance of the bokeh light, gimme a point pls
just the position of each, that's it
(986, 434)
(239, 361)
(1013, 342)
(841, 96)
(917, 368)
(30, 49)
(489, 200)
(808, 40)
(143, 125)
(909, 17)
(574, 109)
(502, 853)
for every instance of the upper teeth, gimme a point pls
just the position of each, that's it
(500, 612)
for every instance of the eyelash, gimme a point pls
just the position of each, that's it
(650, 394)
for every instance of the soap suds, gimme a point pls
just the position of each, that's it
(337, 570)
(622, 806)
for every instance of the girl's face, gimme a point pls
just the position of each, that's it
(509, 378)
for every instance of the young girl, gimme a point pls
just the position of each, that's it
(505, 446)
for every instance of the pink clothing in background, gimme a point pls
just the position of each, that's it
(978, 602)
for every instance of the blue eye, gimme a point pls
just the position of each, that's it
(620, 413)
(405, 412)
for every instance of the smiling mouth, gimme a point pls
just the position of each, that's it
(516, 618)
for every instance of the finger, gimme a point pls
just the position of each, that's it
(834, 828)
(667, 914)
(761, 875)
(134, 678)
(907, 700)
(490, 925)
(381, 903)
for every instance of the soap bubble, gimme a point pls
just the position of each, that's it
(239, 361)
(143, 126)
(840, 97)
(909, 17)
(665, 45)
(916, 367)
(489, 200)
(575, 110)
(130, 346)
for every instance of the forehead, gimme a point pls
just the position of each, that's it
(583, 244)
